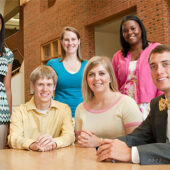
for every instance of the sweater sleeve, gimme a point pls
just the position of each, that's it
(131, 113)
(78, 121)
(115, 64)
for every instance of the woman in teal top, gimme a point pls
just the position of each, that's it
(69, 69)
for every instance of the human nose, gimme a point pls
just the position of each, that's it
(160, 69)
(129, 31)
(70, 42)
(96, 77)
(45, 88)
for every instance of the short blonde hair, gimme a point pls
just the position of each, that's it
(93, 62)
(43, 72)
(74, 30)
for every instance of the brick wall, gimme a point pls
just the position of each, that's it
(42, 24)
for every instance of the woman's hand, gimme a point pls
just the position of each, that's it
(88, 139)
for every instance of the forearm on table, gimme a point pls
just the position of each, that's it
(154, 153)
(64, 140)
(17, 142)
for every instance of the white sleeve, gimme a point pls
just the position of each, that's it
(135, 155)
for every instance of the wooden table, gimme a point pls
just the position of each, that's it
(69, 158)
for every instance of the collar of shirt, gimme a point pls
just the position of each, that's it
(31, 104)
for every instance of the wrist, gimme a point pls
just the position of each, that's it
(55, 145)
(99, 141)
(31, 146)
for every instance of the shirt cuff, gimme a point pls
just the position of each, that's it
(27, 143)
(135, 155)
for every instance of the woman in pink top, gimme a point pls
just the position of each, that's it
(131, 63)
(105, 113)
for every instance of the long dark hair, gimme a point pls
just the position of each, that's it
(124, 44)
(2, 34)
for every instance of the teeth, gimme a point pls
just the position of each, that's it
(44, 95)
(162, 79)
(97, 84)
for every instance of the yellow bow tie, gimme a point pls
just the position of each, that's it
(163, 104)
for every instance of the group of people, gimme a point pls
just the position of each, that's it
(97, 103)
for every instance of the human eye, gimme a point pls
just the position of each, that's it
(133, 28)
(40, 84)
(153, 67)
(91, 75)
(66, 39)
(125, 30)
(73, 39)
(50, 85)
(166, 64)
(102, 73)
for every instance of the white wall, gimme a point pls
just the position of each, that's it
(18, 88)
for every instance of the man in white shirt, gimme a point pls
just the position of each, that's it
(149, 143)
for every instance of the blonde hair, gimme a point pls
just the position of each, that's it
(63, 53)
(93, 62)
(43, 72)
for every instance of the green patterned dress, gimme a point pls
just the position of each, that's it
(5, 60)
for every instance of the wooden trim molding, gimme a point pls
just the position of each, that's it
(22, 2)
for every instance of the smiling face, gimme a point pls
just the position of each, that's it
(70, 42)
(43, 90)
(160, 70)
(98, 79)
(132, 32)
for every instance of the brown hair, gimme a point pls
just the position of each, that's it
(159, 49)
(43, 72)
(63, 53)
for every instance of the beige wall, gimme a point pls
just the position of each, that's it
(106, 44)
(2, 2)
(18, 88)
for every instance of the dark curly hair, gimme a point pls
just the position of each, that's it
(124, 44)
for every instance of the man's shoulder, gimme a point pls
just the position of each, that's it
(25, 107)
(58, 104)
(156, 99)
(20, 110)
(154, 104)
(61, 108)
